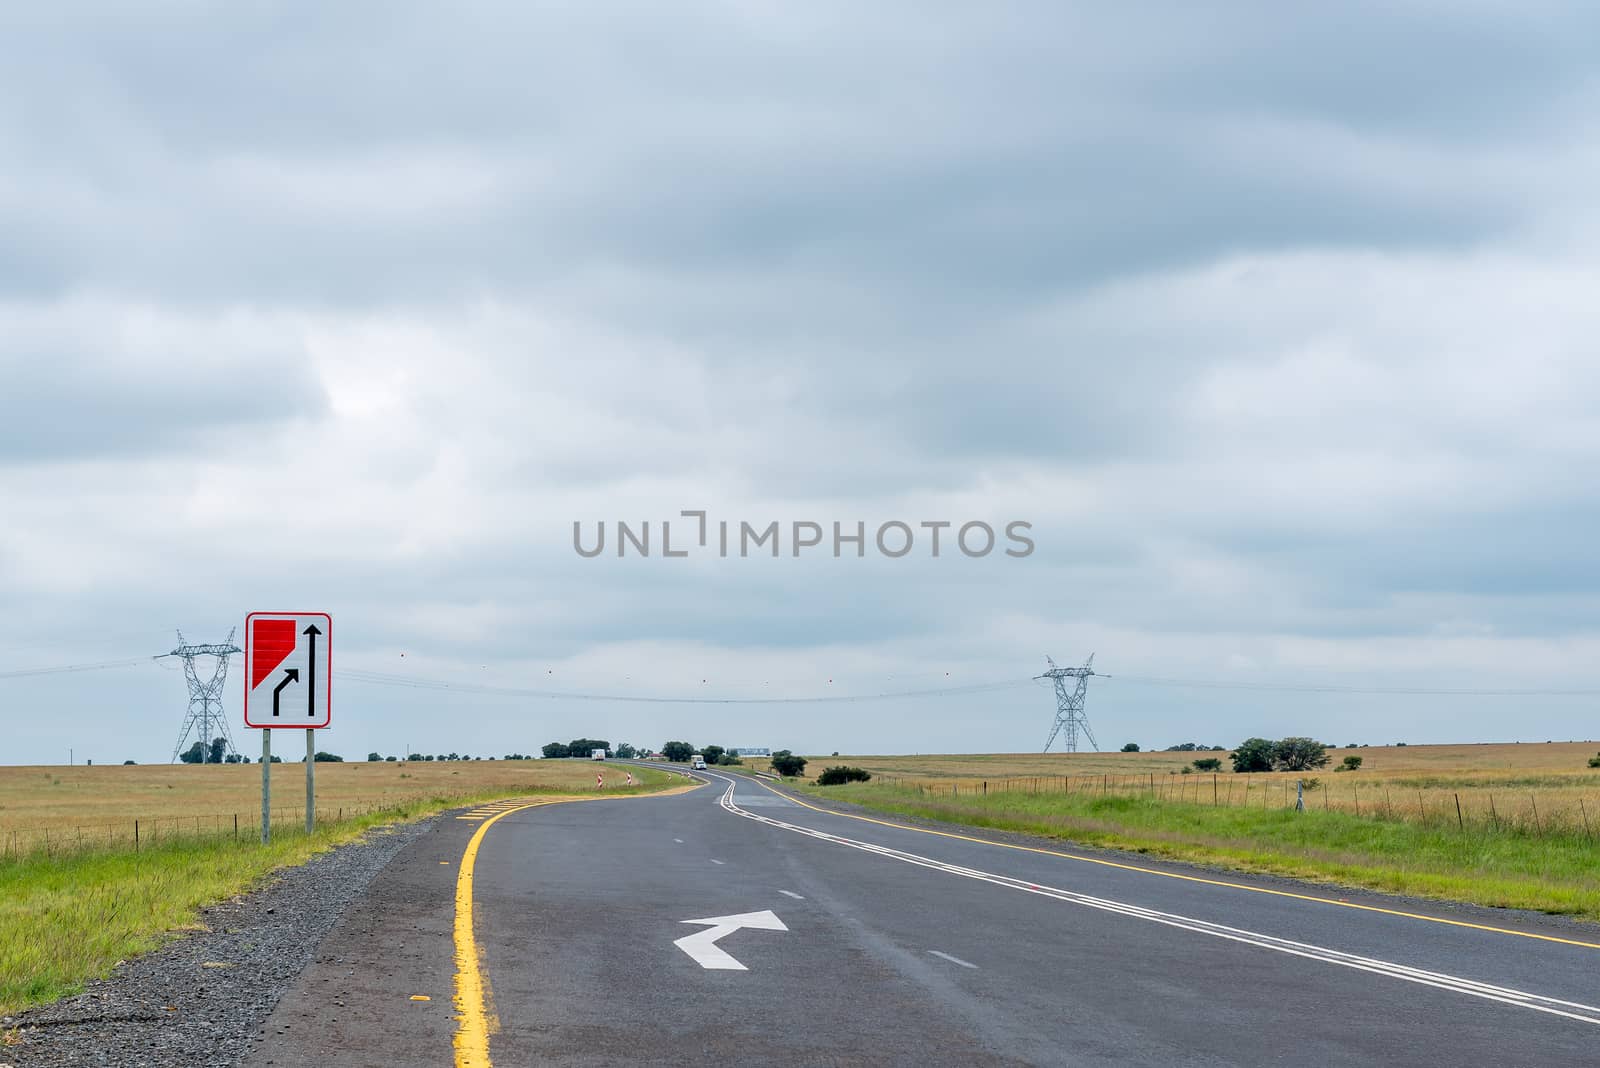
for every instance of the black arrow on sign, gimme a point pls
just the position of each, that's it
(290, 675)
(311, 673)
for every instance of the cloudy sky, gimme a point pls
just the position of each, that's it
(1278, 328)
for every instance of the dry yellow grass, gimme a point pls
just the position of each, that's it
(1537, 787)
(100, 804)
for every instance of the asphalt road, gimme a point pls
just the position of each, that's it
(866, 943)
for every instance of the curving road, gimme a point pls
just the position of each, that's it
(829, 938)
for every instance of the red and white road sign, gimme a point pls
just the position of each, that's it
(288, 669)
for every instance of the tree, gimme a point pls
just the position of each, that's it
(1594, 761)
(626, 751)
(840, 775)
(581, 747)
(1184, 747)
(1351, 763)
(388, 760)
(1208, 764)
(327, 758)
(677, 752)
(713, 754)
(555, 751)
(1300, 754)
(787, 764)
(1131, 747)
(1254, 754)
(374, 758)
(195, 754)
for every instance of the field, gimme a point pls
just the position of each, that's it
(65, 807)
(1539, 788)
(74, 903)
(1502, 825)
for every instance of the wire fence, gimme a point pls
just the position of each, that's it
(147, 832)
(1489, 808)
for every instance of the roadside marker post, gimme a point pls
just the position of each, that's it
(284, 650)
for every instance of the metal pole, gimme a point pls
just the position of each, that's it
(266, 786)
(311, 781)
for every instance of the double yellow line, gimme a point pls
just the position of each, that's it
(474, 1017)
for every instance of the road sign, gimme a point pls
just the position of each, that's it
(288, 667)
(702, 945)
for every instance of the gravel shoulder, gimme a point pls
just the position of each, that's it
(202, 999)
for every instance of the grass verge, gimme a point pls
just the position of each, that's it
(1557, 873)
(70, 917)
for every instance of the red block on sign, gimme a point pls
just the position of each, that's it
(271, 642)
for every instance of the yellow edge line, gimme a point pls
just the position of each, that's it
(1189, 878)
(472, 985)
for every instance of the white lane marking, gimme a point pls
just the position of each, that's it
(1572, 1010)
(952, 960)
(791, 893)
(702, 945)
(719, 862)
(678, 840)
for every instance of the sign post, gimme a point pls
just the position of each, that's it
(287, 654)
(266, 787)
(311, 779)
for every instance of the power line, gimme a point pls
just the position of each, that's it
(381, 679)
(66, 669)
(1391, 691)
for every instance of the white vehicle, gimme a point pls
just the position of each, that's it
(698, 762)
(597, 754)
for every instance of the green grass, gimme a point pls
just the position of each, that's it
(1557, 873)
(70, 917)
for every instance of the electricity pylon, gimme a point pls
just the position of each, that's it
(1070, 717)
(205, 718)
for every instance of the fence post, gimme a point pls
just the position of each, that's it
(1585, 811)
(1536, 824)
(1495, 816)
(1460, 823)
(136, 836)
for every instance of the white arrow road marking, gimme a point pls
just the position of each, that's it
(702, 945)
(952, 960)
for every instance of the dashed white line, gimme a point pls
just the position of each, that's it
(952, 960)
(719, 862)
(791, 893)
(1572, 1010)
(678, 840)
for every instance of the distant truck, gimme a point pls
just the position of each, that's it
(698, 761)
(597, 754)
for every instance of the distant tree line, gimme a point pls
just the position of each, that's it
(1287, 754)
(215, 753)
(583, 747)
(680, 752)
